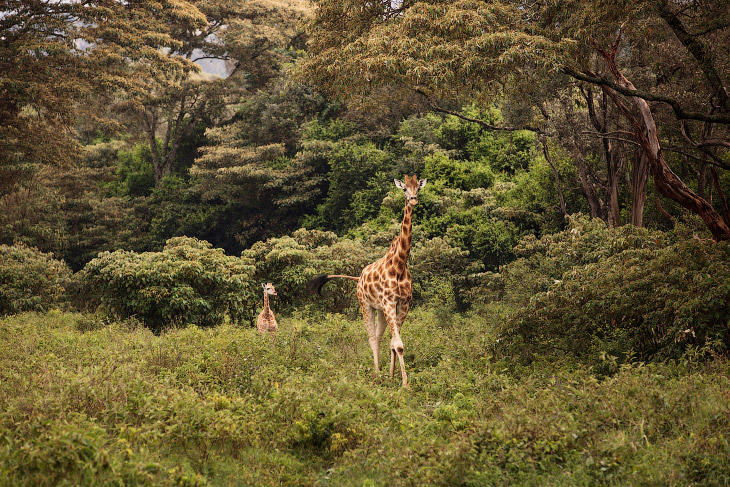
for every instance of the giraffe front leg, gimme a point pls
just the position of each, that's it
(392, 362)
(396, 348)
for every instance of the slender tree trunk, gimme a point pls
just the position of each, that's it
(721, 195)
(614, 212)
(594, 202)
(639, 181)
(613, 161)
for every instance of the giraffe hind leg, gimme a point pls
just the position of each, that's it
(368, 315)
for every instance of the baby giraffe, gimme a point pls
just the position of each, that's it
(267, 320)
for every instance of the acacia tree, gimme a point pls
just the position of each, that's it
(449, 51)
(56, 54)
(245, 34)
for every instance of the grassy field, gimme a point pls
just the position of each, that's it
(85, 402)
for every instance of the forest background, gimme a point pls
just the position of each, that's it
(159, 160)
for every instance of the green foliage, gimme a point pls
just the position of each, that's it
(470, 221)
(330, 130)
(175, 208)
(136, 176)
(357, 182)
(221, 406)
(457, 174)
(628, 292)
(533, 192)
(187, 282)
(30, 280)
(507, 152)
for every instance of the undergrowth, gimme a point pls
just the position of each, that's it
(85, 402)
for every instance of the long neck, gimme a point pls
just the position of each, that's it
(403, 245)
(266, 301)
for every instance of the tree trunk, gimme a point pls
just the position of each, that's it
(613, 161)
(594, 202)
(639, 180)
(614, 212)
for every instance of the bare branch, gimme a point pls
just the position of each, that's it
(609, 135)
(476, 120)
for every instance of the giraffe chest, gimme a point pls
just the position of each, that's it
(266, 321)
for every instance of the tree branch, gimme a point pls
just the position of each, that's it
(680, 112)
(610, 135)
(700, 52)
(484, 124)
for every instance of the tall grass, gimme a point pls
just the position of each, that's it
(85, 402)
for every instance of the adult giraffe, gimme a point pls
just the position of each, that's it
(384, 287)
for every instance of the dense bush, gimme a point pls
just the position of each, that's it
(30, 280)
(187, 282)
(470, 221)
(627, 291)
(457, 174)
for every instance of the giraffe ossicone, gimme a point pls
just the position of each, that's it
(384, 288)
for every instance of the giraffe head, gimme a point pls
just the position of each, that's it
(411, 187)
(269, 289)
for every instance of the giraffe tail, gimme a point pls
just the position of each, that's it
(315, 284)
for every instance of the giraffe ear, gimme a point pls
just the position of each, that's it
(263, 285)
(399, 183)
(422, 183)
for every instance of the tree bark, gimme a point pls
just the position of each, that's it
(639, 180)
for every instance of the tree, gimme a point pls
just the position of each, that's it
(517, 51)
(249, 36)
(253, 171)
(55, 54)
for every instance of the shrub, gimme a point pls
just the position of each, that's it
(30, 280)
(623, 291)
(439, 274)
(188, 282)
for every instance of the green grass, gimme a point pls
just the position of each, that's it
(83, 402)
